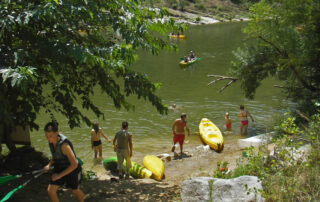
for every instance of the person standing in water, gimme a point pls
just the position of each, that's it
(96, 143)
(179, 133)
(243, 115)
(123, 148)
(66, 168)
(228, 122)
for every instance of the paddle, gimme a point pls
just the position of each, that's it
(194, 58)
(8, 178)
(8, 195)
(35, 173)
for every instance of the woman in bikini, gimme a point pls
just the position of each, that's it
(243, 115)
(96, 139)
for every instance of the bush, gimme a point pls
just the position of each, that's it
(287, 174)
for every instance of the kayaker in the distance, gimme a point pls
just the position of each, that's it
(185, 59)
(178, 130)
(243, 115)
(96, 143)
(123, 148)
(66, 168)
(191, 55)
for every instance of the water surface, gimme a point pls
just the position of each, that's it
(187, 88)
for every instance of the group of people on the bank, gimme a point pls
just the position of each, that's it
(67, 169)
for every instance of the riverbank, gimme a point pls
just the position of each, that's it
(198, 18)
(199, 162)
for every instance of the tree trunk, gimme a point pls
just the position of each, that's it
(6, 136)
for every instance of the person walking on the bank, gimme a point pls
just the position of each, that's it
(96, 143)
(123, 148)
(243, 115)
(179, 133)
(67, 170)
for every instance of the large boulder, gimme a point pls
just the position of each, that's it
(240, 189)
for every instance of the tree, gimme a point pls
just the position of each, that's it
(286, 46)
(69, 47)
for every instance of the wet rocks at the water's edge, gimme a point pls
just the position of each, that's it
(243, 188)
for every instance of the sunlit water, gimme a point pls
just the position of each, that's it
(185, 87)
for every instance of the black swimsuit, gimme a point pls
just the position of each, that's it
(96, 143)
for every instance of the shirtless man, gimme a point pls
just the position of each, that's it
(178, 132)
(243, 115)
(96, 139)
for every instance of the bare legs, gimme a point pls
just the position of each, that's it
(78, 194)
(174, 147)
(243, 129)
(97, 149)
(52, 192)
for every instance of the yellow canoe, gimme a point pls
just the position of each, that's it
(211, 135)
(176, 36)
(155, 165)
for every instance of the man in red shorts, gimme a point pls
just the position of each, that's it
(178, 132)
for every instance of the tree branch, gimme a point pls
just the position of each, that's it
(277, 86)
(274, 46)
(220, 78)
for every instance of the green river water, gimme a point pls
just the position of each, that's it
(185, 87)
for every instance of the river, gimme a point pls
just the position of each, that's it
(187, 88)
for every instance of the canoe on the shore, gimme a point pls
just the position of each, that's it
(177, 36)
(211, 135)
(155, 165)
(185, 64)
(136, 170)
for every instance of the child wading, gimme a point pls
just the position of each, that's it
(228, 122)
(67, 170)
(96, 143)
(123, 148)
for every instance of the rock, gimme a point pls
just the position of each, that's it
(255, 141)
(294, 154)
(240, 189)
(164, 157)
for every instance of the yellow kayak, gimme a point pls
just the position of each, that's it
(155, 165)
(177, 36)
(211, 135)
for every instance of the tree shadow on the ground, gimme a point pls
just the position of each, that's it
(96, 190)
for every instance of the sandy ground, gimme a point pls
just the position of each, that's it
(200, 162)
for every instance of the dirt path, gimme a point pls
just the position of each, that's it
(202, 163)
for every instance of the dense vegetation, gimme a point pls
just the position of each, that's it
(287, 34)
(286, 45)
(54, 53)
(292, 171)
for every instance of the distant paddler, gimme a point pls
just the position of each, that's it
(191, 55)
(178, 130)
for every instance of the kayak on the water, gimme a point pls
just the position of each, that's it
(177, 36)
(183, 63)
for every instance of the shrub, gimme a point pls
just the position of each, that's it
(287, 174)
